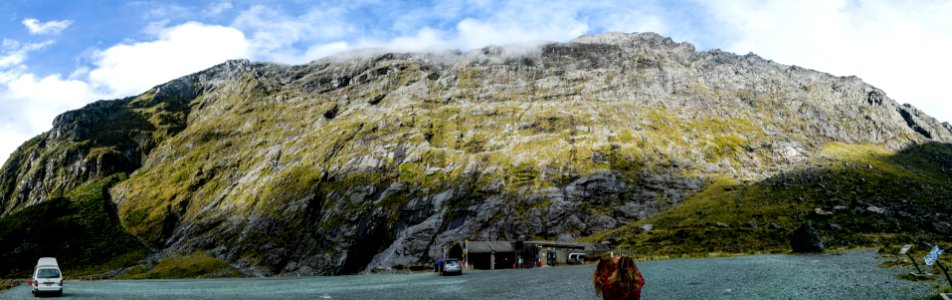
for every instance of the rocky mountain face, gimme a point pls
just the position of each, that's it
(356, 162)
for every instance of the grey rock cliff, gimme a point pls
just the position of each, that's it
(359, 162)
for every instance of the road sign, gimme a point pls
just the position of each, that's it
(933, 255)
(905, 249)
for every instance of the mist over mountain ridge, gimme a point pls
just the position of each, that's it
(356, 162)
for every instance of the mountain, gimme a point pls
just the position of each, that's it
(376, 159)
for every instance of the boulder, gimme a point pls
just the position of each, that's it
(806, 239)
(349, 190)
(823, 213)
(565, 237)
(875, 209)
(610, 242)
(646, 227)
(942, 227)
(857, 210)
(603, 223)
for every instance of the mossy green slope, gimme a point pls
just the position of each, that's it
(195, 265)
(80, 229)
(912, 186)
(351, 163)
(100, 140)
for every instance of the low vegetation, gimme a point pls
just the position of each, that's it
(847, 183)
(217, 159)
(6, 284)
(195, 265)
(80, 229)
(892, 259)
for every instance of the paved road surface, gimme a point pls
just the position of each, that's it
(853, 275)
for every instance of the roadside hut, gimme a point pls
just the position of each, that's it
(562, 253)
(490, 255)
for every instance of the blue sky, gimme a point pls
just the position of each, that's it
(97, 25)
(60, 55)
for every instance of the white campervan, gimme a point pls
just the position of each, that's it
(47, 277)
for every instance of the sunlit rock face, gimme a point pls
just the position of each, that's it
(355, 162)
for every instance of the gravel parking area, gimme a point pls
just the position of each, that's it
(850, 275)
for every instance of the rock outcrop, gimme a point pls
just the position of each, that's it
(356, 162)
(806, 239)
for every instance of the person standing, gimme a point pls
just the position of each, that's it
(618, 278)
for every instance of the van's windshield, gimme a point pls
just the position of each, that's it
(47, 273)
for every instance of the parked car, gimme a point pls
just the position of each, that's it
(47, 277)
(576, 258)
(452, 267)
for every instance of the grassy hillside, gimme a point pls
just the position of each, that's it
(195, 265)
(352, 163)
(913, 187)
(81, 230)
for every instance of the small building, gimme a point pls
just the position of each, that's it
(563, 253)
(490, 255)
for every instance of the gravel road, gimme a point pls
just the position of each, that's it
(850, 275)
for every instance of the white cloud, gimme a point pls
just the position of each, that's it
(11, 59)
(156, 27)
(261, 33)
(165, 10)
(15, 137)
(897, 46)
(521, 22)
(30, 103)
(13, 53)
(322, 50)
(41, 99)
(425, 39)
(51, 27)
(129, 69)
(218, 8)
(274, 35)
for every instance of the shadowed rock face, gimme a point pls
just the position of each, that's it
(352, 163)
